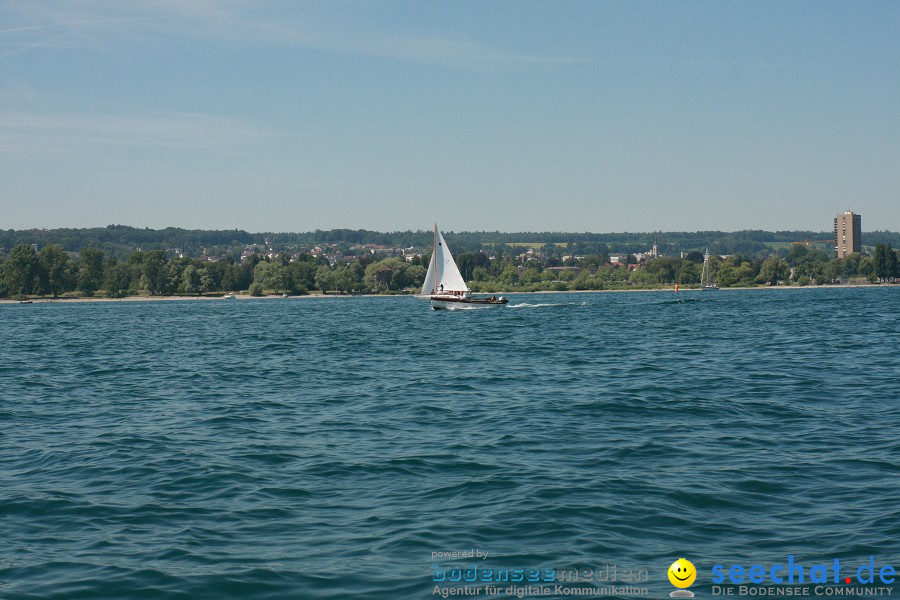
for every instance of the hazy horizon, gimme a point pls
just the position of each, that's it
(451, 231)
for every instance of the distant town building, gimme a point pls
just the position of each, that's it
(847, 234)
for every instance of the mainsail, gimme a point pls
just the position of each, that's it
(443, 274)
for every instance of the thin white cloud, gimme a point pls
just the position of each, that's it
(401, 46)
(235, 21)
(27, 132)
(48, 42)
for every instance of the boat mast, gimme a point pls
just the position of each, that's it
(434, 261)
(704, 276)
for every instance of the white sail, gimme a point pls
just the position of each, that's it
(429, 285)
(448, 272)
(443, 274)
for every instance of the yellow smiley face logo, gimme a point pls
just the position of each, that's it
(682, 573)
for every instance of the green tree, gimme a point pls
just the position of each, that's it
(867, 267)
(509, 275)
(664, 269)
(851, 264)
(243, 275)
(117, 278)
(229, 281)
(57, 269)
(325, 279)
(272, 276)
(346, 279)
(891, 265)
(688, 273)
(728, 275)
(833, 270)
(642, 277)
(466, 264)
(880, 262)
(379, 275)
(207, 283)
(480, 274)
(216, 272)
(400, 278)
(772, 271)
(21, 270)
(302, 272)
(695, 257)
(154, 278)
(616, 275)
(90, 271)
(530, 276)
(744, 275)
(190, 280)
(416, 274)
(173, 274)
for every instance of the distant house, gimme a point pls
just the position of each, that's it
(410, 253)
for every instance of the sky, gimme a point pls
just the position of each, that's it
(601, 116)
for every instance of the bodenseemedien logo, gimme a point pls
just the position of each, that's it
(682, 574)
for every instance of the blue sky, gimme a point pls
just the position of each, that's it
(574, 116)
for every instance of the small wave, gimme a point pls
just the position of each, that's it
(680, 301)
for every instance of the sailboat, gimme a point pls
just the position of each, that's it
(445, 287)
(706, 283)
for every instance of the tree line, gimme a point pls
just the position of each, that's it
(801, 265)
(53, 272)
(120, 240)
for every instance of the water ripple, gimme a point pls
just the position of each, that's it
(324, 449)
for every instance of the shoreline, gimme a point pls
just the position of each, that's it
(245, 297)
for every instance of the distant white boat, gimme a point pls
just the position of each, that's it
(229, 297)
(444, 285)
(706, 283)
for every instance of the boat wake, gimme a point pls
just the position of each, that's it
(468, 306)
(545, 304)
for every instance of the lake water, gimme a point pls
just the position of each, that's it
(306, 448)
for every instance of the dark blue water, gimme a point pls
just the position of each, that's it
(308, 448)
